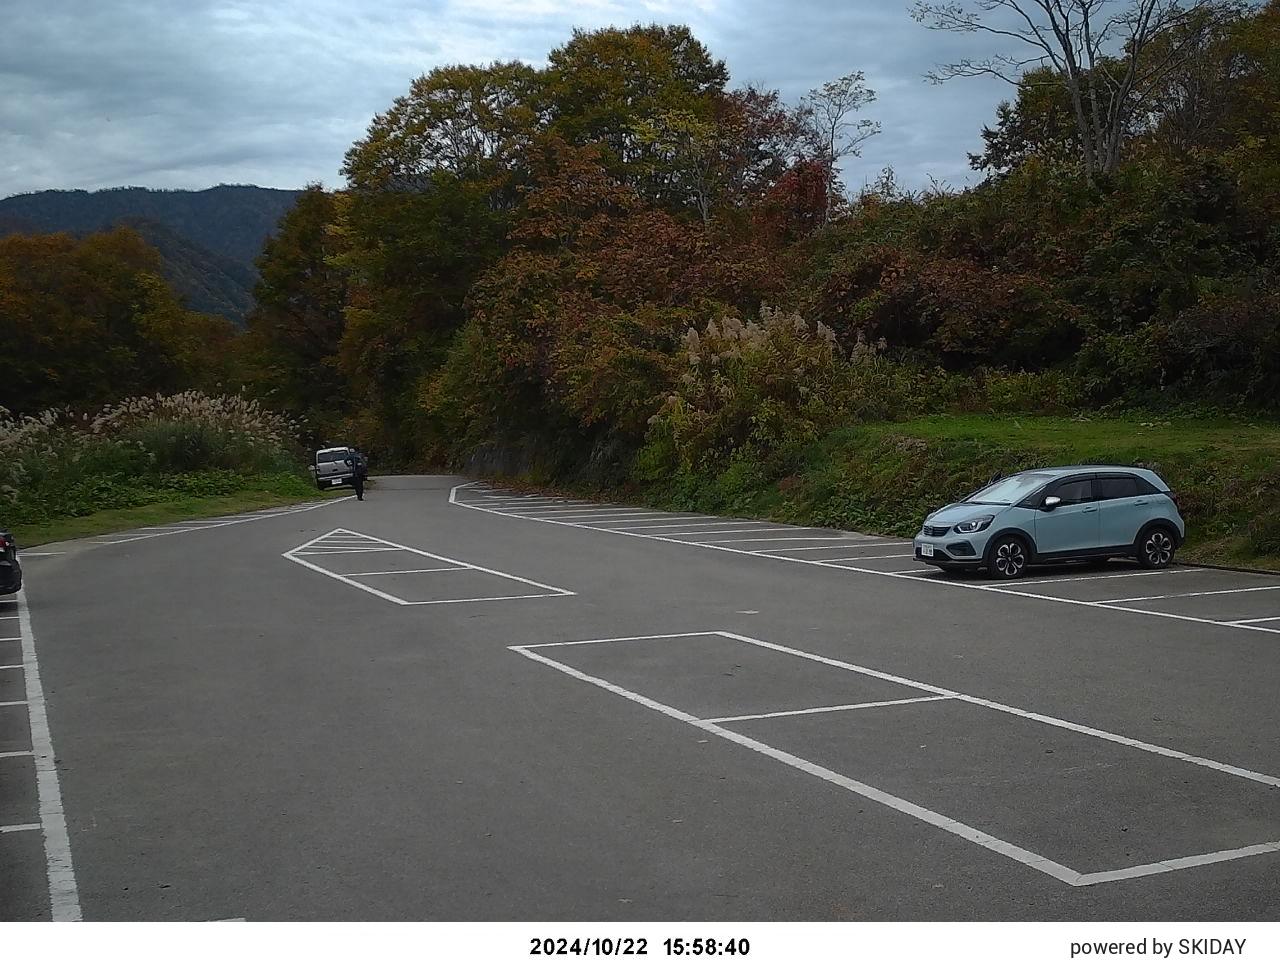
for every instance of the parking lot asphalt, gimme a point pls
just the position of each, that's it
(452, 701)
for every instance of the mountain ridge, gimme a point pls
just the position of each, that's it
(209, 238)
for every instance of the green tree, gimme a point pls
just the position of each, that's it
(603, 84)
(297, 325)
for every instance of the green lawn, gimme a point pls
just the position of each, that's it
(1077, 440)
(885, 477)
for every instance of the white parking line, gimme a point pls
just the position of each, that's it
(296, 553)
(64, 896)
(11, 666)
(1255, 620)
(390, 573)
(842, 707)
(878, 556)
(16, 753)
(717, 530)
(1036, 581)
(19, 827)
(184, 526)
(964, 831)
(618, 514)
(1198, 593)
(872, 571)
(327, 553)
(651, 523)
(772, 540)
(855, 543)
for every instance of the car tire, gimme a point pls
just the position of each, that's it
(1156, 547)
(1007, 558)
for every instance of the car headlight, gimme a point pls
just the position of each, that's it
(974, 525)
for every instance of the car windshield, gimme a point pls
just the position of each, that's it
(330, 456)
(1010, 489)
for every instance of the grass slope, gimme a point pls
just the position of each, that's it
(885, 477)
(157, 514)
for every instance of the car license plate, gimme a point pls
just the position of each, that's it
(926, 549)
(336, 483)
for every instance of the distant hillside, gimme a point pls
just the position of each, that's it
(209, 238)
(207, 282)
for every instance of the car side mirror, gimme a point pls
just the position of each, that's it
(1050, 503)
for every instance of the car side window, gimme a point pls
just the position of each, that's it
(1117, 488)
(1075, 491)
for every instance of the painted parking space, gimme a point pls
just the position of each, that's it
(33, 835)
(1218, 598)
(409, 576)
(976, 769)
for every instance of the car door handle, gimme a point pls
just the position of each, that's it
(1139, 503)
(1089, 510)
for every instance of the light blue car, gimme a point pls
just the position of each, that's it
(1089, 513)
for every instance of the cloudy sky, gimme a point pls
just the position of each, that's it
(189, 93)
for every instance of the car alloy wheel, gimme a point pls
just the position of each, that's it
(1009, 559)
(1157, 549)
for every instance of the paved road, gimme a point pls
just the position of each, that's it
(389, 710)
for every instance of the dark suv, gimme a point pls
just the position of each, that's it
(10, 572)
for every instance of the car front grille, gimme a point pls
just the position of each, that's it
(935, 531)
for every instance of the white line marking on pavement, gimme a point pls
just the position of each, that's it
(295, 556)
(1019, 854)
(179, 527)
(1254, 620)
(9, 616)
(1035, 581)
(1227, 768)
(838, 709)
(1055, 870)
(872, 571)
(328, 552)
(390, 573)
(856, 542)
(12, 666)
(614, 514)
(13, 703)
(652, 636)
(1198, 593)
(878, 556)
(717, 531)
(18, 827)
(651, 525)
(1181, 863)
(771, 540)
(64, 896)
(23, 555)
(16, 753)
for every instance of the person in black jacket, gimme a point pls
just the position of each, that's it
(359, 472)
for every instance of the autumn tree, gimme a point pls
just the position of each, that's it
(604, 86)
(471, 122)
(836, 133)
(87, 321)
(1102, 53)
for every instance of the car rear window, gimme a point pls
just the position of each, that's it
(1116, 488)
(330, 456)
(1010, 489)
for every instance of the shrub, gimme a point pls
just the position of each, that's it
(138, 451)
